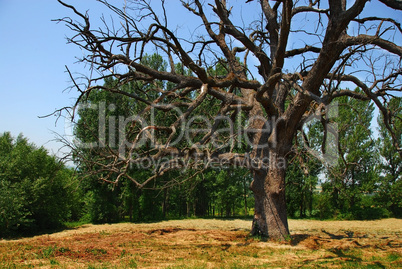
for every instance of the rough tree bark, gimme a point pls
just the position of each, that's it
(270, 215)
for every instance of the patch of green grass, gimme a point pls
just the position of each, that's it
(75, 224)
(393, 257)
(51, 251)
(375, 265)
(54, 262)
(132, 264)
(48, 252)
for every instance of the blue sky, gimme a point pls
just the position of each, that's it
(34, 53)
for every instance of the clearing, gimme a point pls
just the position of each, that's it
(210, 243)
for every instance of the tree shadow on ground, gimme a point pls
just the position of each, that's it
(297, 238)
(348, 234)
(341, 254)
(29, 234)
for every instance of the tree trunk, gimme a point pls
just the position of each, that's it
(270, 214)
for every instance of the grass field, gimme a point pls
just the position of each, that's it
(210, 243)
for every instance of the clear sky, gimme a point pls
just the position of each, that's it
(33, 78)
(34, 53)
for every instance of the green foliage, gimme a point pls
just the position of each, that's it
(323, 205)
(365, 183)
(300, 186)
(302, 173)
(100, 206)
(390, 169)
(13, 214)
(354, 175)
(369, 209)
(36, 191)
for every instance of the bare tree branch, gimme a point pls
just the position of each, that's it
(395, 4)
(206, 79)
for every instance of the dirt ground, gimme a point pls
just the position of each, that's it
(210, 243)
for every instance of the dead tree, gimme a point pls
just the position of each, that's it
(309, 53)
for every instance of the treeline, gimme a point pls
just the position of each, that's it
(38, 192)
(214, 193)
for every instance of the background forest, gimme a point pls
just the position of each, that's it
(39, 192)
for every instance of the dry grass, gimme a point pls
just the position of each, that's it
(201, 243)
